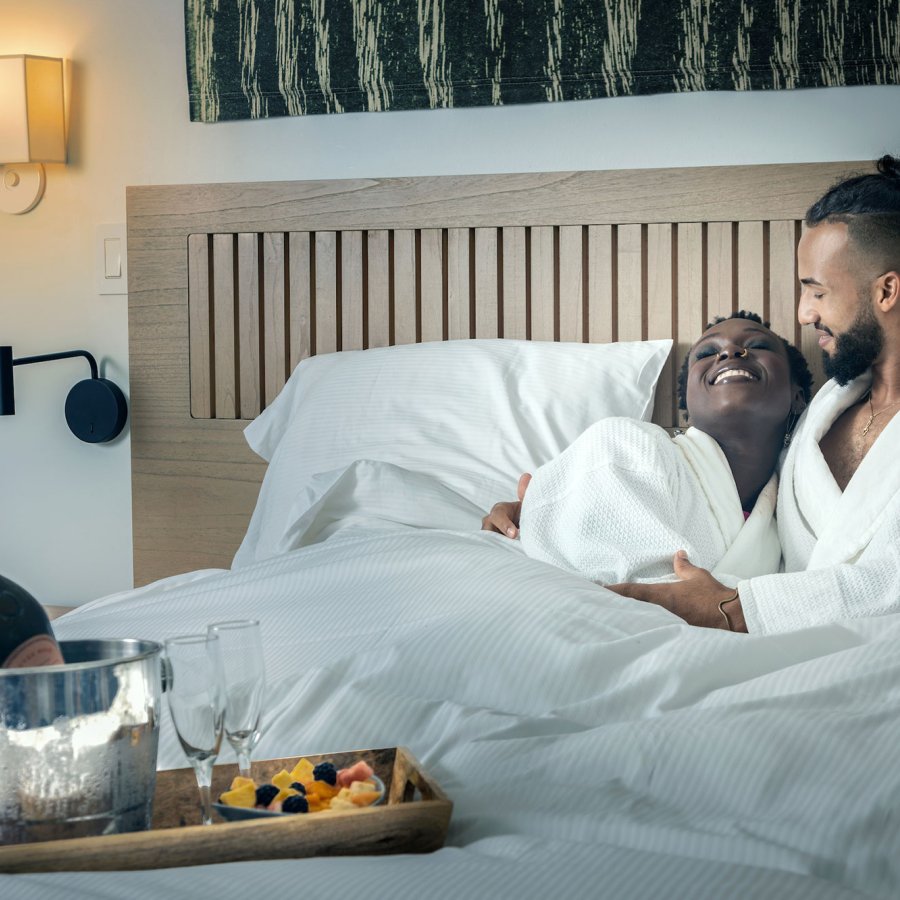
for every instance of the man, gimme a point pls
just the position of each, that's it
(839, 495)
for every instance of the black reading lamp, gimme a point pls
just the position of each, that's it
(95, 408)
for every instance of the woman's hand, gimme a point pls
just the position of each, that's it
(504, 516)
(695, 598)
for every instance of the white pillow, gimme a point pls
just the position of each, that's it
(474, 414)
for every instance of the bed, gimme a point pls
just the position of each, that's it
(397, 351)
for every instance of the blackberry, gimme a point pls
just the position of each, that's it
(296, 803)
(325, 772)
(299, 786)
(265, 794)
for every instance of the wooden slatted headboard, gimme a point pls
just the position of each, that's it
(231, 285)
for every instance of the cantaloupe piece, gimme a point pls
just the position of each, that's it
(322, 789)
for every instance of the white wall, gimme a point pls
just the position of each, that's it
(65, 507)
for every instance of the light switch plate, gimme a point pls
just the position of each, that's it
(111, 256)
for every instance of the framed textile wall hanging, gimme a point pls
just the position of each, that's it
(262, 58)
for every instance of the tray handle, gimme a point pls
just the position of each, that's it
(409, 777)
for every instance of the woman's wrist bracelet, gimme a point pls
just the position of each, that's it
(734, 596)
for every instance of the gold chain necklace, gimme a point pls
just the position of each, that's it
(873, 415)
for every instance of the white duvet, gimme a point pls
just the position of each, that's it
(592, 745)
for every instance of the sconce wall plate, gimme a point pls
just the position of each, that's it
(21, 187)
(32, 127)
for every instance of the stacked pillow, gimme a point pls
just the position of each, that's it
(473, 414)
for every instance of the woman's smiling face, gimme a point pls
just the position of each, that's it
(739, 368)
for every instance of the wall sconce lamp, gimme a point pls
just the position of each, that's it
(95, 408)
(32, 127)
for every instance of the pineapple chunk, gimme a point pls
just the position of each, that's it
(283, 779)
(303, 771)
(245, 796)
(284, 793)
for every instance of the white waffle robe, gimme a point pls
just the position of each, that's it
(618, 502)
(841, 548)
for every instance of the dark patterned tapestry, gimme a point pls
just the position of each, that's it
(261, 58)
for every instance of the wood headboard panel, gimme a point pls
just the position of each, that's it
(230, 285)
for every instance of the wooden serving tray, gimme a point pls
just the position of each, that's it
(413, 818)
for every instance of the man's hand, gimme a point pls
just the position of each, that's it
(504, 517)
(695, 598)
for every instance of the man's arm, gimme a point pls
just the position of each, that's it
(785, 602)
(696, 598)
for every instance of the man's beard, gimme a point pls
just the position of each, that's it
(857, 348)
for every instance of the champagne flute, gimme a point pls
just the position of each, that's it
(244, 680)
(197, 704)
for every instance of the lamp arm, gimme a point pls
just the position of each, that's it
(67, 354)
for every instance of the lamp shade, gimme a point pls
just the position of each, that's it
(32, 110)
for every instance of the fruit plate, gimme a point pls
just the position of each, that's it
(413, 817)
(239, 813)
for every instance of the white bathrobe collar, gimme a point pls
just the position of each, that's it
(841, 522)
(753, 545)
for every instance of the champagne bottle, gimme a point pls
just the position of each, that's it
(26, 638)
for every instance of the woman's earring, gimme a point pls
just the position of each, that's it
(791, 424)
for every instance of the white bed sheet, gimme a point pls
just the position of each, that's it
(592, 745)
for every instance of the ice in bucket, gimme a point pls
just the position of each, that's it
(78, 742)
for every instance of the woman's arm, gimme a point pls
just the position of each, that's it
(504, 516)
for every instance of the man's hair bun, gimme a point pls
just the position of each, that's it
(889, 165)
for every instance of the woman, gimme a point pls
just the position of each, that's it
(615, 504)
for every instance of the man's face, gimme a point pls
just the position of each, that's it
(857, 348)
(833, 299)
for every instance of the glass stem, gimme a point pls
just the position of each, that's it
(243, 756)
(205, 804)
(203, 771)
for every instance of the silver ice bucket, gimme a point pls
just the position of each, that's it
(78, 742)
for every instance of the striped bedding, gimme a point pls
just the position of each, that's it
(592, 745)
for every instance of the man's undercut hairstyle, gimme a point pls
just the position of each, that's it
(869, 205)
(800, 374)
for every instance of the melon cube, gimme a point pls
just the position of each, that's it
(364, 798)
(358, 772)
